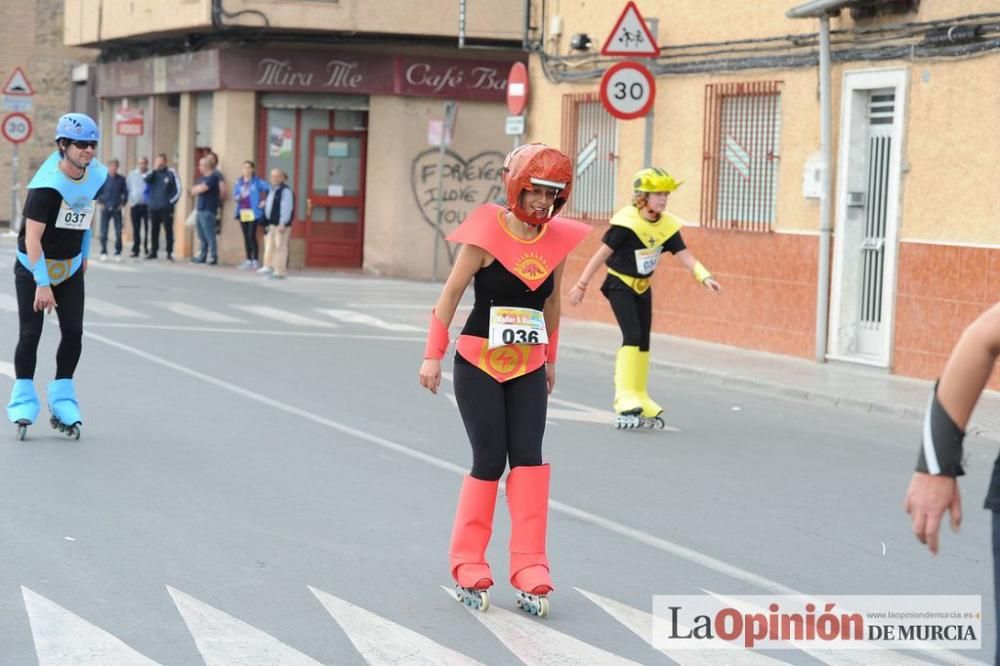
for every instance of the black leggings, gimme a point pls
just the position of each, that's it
(161, 218)
(634, 313)
(69, 302)
(504, 420)
(140, 224)
(250, 240)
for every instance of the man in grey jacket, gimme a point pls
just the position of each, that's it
(137, 202)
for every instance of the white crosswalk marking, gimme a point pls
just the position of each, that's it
(640, 623)
(64, 639)
(224, 640)
(534, 643)
(383, 642)
(831, 657)
(106, 309)
(352, 317)
(195, 312)
(382, 305)
(7, 369)
(8, 303)
(284, 316)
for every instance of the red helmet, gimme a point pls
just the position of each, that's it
(536, 164)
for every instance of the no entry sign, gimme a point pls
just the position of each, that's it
(517, 88)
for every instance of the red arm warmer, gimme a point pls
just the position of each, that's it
(437, 339)
(553, 346)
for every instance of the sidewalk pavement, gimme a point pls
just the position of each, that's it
(861, 388)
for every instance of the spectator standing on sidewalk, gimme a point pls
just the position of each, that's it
(163, 195)
(278, 212)
(207, 193)
(114, 195)
(213, 160)
(249, 193)
(138, 200)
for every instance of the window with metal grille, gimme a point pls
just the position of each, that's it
(590, 138)
(740, 165)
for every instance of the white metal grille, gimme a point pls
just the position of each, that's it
(881, 109)
(740, 169)
(590, 138)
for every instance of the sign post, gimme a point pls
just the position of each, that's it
(447, 128)
(17, 92)
(517, 100)
(631, 37)
(129, 121)
(628, 90)
(16, 127)
(647, 148)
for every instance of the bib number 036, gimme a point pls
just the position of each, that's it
(516, 326)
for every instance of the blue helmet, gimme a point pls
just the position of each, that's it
(77, 127)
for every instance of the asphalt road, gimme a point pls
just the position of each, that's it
(262, 480)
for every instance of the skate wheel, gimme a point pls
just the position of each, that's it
(484, 600)
(627, 421)
(22, 432)
(543, 607)
(658, 423)
(74, 432)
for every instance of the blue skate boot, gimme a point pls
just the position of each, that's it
(23, 406)
(65, 411)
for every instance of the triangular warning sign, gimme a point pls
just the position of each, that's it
(630, 36)
(18, 84)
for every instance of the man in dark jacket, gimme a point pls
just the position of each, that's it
(163, 195)
(113, 196)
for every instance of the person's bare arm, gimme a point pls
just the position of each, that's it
(687, 258)
(470, 259)
(580, 287)
(33, 231)
(553, 311)
(935, 491)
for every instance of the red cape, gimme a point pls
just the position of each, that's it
(531, 261)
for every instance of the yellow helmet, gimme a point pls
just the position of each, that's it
(654, 179)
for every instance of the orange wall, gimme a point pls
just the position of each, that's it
(942, 288)
(769, 290)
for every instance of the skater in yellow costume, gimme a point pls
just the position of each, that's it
(631, 249)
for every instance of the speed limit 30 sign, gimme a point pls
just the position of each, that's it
(16, 127)
(628, 90)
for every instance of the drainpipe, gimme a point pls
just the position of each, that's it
(461, 24)
(527, 24)
(823, 10)
(826, 199)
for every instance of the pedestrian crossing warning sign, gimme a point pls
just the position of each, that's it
(630, 36)
(18, 84)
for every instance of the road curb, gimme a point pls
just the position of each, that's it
(884, 409)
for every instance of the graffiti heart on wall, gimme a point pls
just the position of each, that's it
(468, 182)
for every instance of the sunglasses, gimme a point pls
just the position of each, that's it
(83, 145)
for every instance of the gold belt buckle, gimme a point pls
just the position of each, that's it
(58, 269)
(641, 284)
